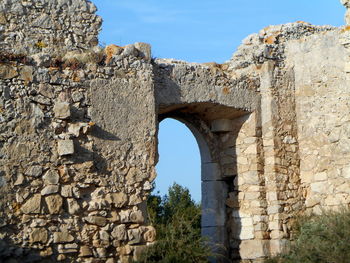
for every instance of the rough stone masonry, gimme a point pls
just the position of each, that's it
(78, 135)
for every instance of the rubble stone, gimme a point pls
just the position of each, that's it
(62, 110)
(54, 203)
(50, 189)
(32, 205)
(65, 147)
(38, 235)
(62, 237)
(51, 177)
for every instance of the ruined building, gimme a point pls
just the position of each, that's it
(78, 134)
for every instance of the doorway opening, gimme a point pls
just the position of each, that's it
(179, 159)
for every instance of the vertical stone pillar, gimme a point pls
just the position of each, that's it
(268, 110)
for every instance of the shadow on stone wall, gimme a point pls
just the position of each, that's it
(10, 253)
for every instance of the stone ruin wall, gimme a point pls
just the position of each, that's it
(31, 26)
(78, 135)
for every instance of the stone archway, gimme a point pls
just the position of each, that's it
(210, 123)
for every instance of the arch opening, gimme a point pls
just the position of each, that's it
(226, 139)
(179, 158)
(214, 190)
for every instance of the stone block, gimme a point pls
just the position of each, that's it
(242, 232)
(50, 189)
(134, 236)
(73, 206)
(62, 110)
(62, 237)
(38, 235)
(130, 50)
(214, 195)
(7, 72)
(51, 177)
(210, 172)
(54, 203)
(67, 191)
(112, 50)
(96, 220)
(65, 147)
(217, 241)
(119, 233)
(117, 199)
(253, 249)
(346, 3)
(136, 217)
(278, 246)
(150, 234)
(221, 125)
(33, 205)
(34, 171)
(346, 172)
(85, 251)
(274, 209)
(144, 50)
(320, 187)
(26, 74)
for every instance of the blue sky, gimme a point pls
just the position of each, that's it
(205, 30)
(199, 31)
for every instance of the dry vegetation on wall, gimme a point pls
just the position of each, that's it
(59, 60)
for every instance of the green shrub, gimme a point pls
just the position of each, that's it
(176, 218)
(323, 238)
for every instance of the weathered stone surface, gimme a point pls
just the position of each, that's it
(68, 248)
(112, 50)
(130, 50)
(211, 172)
(85, 251)
(62, 110)
(38, 235)
(96, 220)
(73, 206)
(215, 194)
(50, 189)
(135, 175)
(101, 252)
(54, 203)
(20, 179)
(35, 171)
(32, 205)
(65, 147)
(118, 199)
(51, 177)
(221, 125)
(67, 191)
(144, 50)
(136, 217)
(119, 233)
(150, 234)
(3, 19)
(7, 72)
(252, 249)
(134, 236)
(62, 237)
(26, 73)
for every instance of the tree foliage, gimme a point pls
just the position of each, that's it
(176, 218)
